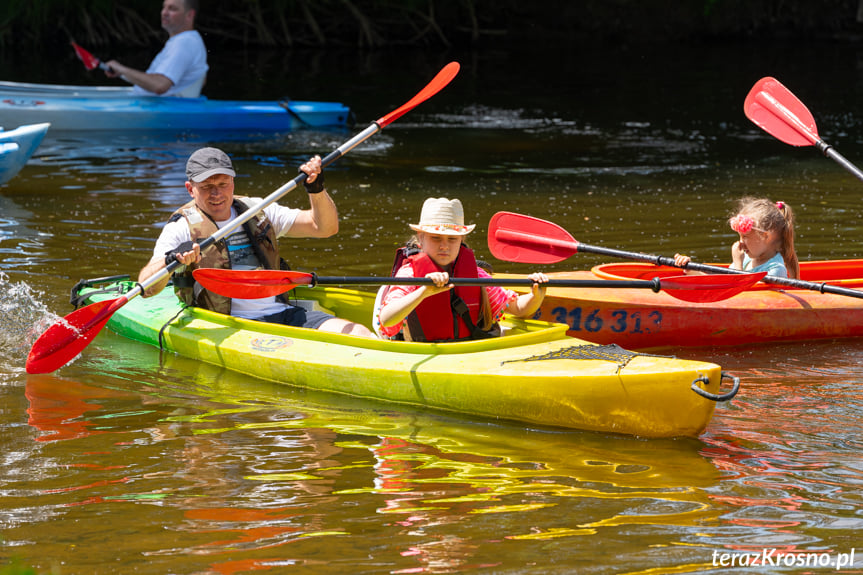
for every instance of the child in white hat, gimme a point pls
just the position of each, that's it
(442, 311)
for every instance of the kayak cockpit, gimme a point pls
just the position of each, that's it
(352, 305)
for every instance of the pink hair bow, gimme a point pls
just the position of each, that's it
(742, 224)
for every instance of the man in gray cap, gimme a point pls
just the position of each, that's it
(210, 181)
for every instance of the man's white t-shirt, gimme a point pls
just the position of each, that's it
(183, 60)
(240, 251)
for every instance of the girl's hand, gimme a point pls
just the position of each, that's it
(737, 256)
(441, 283)
(396, 310)
(539, 279)
(526, 304)
(681, 260)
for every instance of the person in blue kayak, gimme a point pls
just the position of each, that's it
(180, 69)
(766, 244)
(442, 311)
(254, 245)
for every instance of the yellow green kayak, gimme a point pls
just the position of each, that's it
(533, 374)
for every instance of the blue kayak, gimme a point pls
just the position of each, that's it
(17, 146)
(77, 108)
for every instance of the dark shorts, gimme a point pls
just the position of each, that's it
(298, 317)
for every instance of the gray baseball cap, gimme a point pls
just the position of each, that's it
(208, 162)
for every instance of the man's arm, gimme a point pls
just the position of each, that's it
(151, 269)
(322, 219)
(182, 252)
(156, 83)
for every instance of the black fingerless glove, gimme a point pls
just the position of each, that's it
(171, 256)
(315, 187)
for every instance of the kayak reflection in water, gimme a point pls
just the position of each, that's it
(443, 312)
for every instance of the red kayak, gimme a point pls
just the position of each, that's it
(642, 319)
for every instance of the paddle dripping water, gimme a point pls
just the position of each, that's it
(24, 317)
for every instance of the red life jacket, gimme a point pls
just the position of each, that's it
(441, 317)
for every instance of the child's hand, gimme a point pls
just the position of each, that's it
(441, 283)
(681, 261)
(737, 254)
(440, 279)
(539, 279)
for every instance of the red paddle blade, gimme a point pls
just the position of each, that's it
(90, 61)
(250, 284)
(518, 238)
(774, 109)
(68, 336)
(443, 78)
(709, 288)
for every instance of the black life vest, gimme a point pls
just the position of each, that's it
(201, 226)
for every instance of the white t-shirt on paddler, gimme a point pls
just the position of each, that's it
(183, 60)
(240, 251)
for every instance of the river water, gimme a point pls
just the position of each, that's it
(128, 460)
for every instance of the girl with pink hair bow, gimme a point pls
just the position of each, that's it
(766, 231)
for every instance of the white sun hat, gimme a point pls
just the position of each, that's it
(444, 217)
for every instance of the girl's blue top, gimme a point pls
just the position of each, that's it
(775, 266)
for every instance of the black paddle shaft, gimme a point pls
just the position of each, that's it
(831, 153)
(665, 261)
(654, 284)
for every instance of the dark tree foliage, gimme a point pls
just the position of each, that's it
(372, 24)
